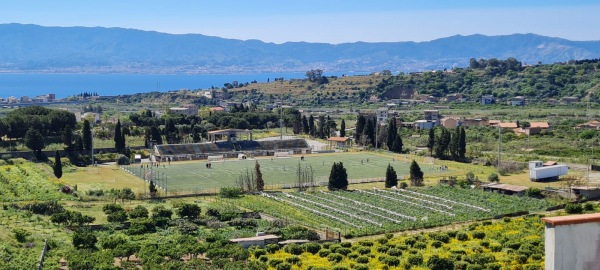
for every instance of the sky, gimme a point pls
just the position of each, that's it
(326, 21)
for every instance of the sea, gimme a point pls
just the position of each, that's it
(64, 85)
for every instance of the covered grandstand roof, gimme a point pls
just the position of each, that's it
(229, 131)
(220, 147)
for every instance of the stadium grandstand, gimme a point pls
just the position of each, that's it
(231, 145)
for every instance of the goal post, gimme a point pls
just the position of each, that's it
(282, 154)
(216, 158)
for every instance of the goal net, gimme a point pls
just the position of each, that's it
(216, 158)
(282, 154)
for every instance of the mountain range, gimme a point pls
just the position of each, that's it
(40, 49)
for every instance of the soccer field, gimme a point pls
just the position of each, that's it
(188, 176)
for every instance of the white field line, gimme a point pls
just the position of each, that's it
(443, 199)
(414, 198)
(357, 209)
(311, 210)
(333, 209)
(412, 203)
(371, 206)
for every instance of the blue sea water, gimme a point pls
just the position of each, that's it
(64, 85)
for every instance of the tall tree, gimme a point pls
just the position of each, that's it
(343, 128)
(338, 177)
(57, 168)
(260, 183)
(155, 135)
(305, 127)
(431, 141)
(369, 132)
(321, 127)
(391, 178)
(462, 144)
(34, 141)
(87, 135)
(152, 188)
(398, 145)
(118, 138)
(67, 137)
(391, 133)
(416, 175)
(453, 145)
(361, 121)
(311, 126)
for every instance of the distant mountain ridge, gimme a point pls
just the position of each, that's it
(33, 48)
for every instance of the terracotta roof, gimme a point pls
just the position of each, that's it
(338, 139)
(217, 108)
(539, 125)
(507, 125)
(550, 163)
(573, 219)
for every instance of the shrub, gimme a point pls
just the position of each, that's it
(394, 252)
(533, 267)
(272, 248)
(534, 193)
(512, 244)
(390, 261)
(415, 259)
(293, 249)
(327, 245)
(123, 160)
(362, 259)
(340, 267)
(324, 253)
(521, 259)
(493, 266)
(437, 263)
(263, 258)
(334, 257)
(493, 177)
(360, 267)
(484, 243)
(21, 234)
(366, 243)
(242, 223)
(459, 265)
(536, 257)
(311, 247)
(588, 207)
(230, 192)
(352, 255)
(382, 240)
(298, 232)
(478, 235)
(382, 249)
(487, 223)
(284, 266)
(420, 245)
(506, 219)
(259, 252)
(436, 244)
(480, 258)
(410, 241)
(346, 244)
(275, 262)
(363, 250)
(389, 235)
(343, 251)
(573, 208)
(442, 237)
(462, 236)
(293, 259)
(474, 267)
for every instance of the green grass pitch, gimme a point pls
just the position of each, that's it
(193, 175)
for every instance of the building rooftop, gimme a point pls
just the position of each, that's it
(338, 139)
(573, 219)
(506, 187)
(255, 238)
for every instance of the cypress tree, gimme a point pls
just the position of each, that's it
(87, 135)
(391, 133)
(321, 127)
(260, 183)
(462, 144)
(57, 168)
(118, 138)
(305, 127)
(360, 126)
(67, 137)
(398, 145)
(338, 178)
(152, 188)
(416, 175)
(391, 179)
(453, 146)
(343, 128)
(431, 141)
(311, 126)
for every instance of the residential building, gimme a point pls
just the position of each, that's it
(382, 115)
(93, 117)
(474, 122)
(516, 101)
(455, 97)
(24, 99)
(590, 125)
(433, 116)
(487, 99)
(449, 122)
(185, 110)
(569, 100)
(424, 124)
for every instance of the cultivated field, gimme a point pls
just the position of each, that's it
(278, 172)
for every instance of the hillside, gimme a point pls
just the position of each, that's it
(539, 83)
(32, 48)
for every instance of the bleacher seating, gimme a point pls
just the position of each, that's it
(197, 149)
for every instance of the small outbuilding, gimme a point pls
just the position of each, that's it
(261, 240)
(505, 189)
(339, 142)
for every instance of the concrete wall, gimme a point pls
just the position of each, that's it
(573, 246)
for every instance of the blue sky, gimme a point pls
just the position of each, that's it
(329, 21)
